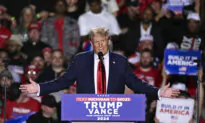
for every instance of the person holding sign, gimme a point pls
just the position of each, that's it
(87, 67)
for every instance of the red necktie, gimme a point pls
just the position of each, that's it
(101, 68)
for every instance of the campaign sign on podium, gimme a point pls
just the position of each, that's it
(105, 107)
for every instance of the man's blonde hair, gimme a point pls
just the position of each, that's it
(99, 31)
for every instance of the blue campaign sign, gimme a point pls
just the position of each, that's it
(176, 5)
(181, 62)
(108, 107)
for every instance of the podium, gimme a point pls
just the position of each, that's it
(103, 107)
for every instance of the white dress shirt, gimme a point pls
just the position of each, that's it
(106, 64)
(145, 32)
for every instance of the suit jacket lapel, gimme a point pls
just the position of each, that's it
(91, 64)
(111, 71)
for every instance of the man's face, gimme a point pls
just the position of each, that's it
(39, 62)
(48, 57)
(133, 11)
(71, 2)
(8, 82)
(146, 60)
(72, 90)
(32, 74)
(3, 56)
(95, 7)
(34, 35)
(48, 111)
(60, 7)
(146, 45)
(57, 59)
(156, 6)
(147, 16)
(13, 47)
(28, 17)
(193, 26)
(100, 43)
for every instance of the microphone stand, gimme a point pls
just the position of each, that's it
(5, 79)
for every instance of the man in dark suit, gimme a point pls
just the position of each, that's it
(86, 69)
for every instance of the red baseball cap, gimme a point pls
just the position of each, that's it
(5, 34)
(34, 26)
(32, 67)
(47, 49)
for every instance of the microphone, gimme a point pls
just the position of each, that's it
(100, 55)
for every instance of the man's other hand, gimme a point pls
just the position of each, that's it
(169, 92)
(31, 88)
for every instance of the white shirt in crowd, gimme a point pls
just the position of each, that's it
(90, 20)
(145, 32)
(110, 5)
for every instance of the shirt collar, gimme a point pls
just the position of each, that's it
(105, 56)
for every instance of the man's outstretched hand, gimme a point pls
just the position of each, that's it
(31, 88)
(169, 92)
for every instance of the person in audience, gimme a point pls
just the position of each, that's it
(6, 83)
(132, 15)
(47, 54)
(110, 6)
(17, 59)
(6, 80)
(43, 17)
(19, 104)
(32, 72)
(34, 44)
(145, 42)
(145, 27)
(97, 17)
(38, 60)
(145, 70)
(122, 6)
(48, 112)
(193, 39)
(73, 10)
(14, 45)
(54, 71)
(5, 32)
(3, 58)
(27, 16)
(164, 20)
(72, 89)
(7, 20)
(57, 66)
(61, 31)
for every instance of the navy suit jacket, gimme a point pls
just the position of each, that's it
(81, 70)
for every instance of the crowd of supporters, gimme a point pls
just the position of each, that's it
(38, 39)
